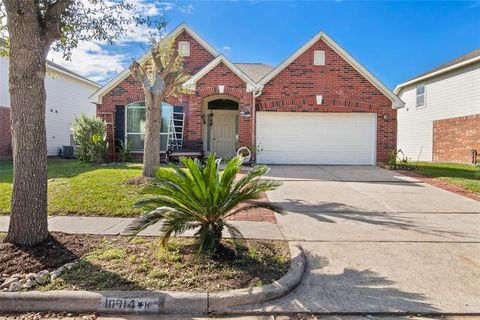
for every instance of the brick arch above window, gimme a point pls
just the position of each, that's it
(215, 90)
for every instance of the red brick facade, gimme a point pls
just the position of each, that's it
(293, 90)
(455, 138)
(130, 90)
(5, 134)
(343, 90)
(208, 86)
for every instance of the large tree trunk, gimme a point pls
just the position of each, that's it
(28, 51)
(151, 155)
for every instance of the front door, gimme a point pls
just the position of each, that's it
(223, 136)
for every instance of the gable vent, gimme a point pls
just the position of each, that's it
(319, 58)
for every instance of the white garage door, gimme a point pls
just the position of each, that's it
(316, 138)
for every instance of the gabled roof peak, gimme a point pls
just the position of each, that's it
(251, 85)
(97, 96)
(396, 101)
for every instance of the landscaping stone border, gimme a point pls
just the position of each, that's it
(150, 302)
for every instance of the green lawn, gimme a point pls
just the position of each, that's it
(464, 175)
(83, 189)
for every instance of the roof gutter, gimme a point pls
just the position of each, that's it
(399, 88)
(68, 74)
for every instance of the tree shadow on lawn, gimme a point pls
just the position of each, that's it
(66, 168)
(113, 263)
(91, 277)
(55, 252)
(330, 212)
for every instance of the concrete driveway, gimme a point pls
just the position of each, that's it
(377, 242)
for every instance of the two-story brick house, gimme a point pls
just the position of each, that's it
(319, 106)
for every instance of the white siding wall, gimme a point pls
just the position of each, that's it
(4, 96)
(450, 95)
(67, 97)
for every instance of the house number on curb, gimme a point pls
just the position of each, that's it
(132, 304)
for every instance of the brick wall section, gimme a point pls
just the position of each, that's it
(343, 90)
(208, 86)
(292, 90)
(455, 138)
(130, 90)
(5, 134)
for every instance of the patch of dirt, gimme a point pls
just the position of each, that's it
(138, 181)
(441, 184)
(56, 251)
(115, 263)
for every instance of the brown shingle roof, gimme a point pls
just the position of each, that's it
(473, 54)
(56, 65)
(255, 71)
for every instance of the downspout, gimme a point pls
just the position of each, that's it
(256, 94)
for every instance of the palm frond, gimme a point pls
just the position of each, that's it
(200, 196)
(205, 239)
(177, 224)
(235, 234)
(146, 220)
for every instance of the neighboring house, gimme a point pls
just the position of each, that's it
(441, 118)
(67, 97)
(319, 106)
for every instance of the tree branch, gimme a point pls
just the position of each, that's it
(53, 19)
(157, 59)
(139, 74)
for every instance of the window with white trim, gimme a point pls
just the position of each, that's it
(135, 125)
(420, 95)
(319, 58)
(184, 48)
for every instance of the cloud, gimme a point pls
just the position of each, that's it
(93, 61)
(226, 49)
(188, 9)
(166, 6)
(98, 61)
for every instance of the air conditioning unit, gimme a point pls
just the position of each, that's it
(68, 151)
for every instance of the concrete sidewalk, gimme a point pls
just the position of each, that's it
(117, 226)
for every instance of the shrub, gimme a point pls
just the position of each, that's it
(125, 151)
(398, 160)
(201, 197)
(392, 159)
(90, 137)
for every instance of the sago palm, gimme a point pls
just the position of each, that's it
(200, 197)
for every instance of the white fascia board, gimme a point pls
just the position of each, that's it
(396, 101)
(399, 87)
(97, 96)
(191, 83)
(68, 74)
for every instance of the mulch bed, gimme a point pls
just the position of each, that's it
(53, 253)
(441, 184)
(115, 263)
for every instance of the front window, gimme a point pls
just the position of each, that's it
(420, 95)
(135, 133)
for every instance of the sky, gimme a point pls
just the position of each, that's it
(394, 40)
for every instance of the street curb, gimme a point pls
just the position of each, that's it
(219, 302)
(151, 302)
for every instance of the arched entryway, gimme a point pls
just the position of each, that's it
(221, 116)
